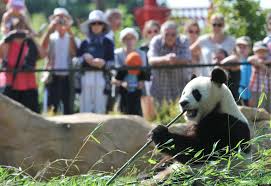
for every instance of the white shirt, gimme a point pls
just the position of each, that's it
(208, 48)
(59, 52)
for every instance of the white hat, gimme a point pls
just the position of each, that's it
(244, 40)
(259, 45)
(61, 11)
(127, 31)
(94, 16)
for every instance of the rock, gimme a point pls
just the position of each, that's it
(259, 123)
(255, 114)
(46, 147)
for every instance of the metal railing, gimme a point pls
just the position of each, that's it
(112, 68)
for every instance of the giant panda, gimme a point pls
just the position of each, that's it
(213, 117)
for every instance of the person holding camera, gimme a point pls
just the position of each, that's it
(19, 53)
(60, 44)
(15, 14)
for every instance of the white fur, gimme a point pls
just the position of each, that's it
(212, 94)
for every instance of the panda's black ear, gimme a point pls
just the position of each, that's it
(219, 76)
(193, 76)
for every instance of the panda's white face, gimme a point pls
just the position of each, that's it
(202, 95)
(199, 97)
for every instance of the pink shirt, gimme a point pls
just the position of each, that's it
(23, 81)
(2, 79)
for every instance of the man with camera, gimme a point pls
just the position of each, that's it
(60, 44)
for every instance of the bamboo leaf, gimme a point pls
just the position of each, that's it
(198, 153)
(261, 99)
(229, 164)
(95, 139)
(227, 149)
(152, 161)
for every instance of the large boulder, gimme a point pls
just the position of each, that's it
(255, 114)
(72, 144)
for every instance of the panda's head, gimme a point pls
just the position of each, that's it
(203, 95)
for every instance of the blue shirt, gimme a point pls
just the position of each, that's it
(244, 90)
(132, 82)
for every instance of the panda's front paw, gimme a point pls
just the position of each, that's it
(159, 134)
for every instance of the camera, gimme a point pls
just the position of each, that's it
(61, 22)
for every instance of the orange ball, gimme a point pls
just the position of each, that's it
(133, 59)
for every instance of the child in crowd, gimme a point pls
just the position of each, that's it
(239, 76)
(243, 48)
(221, 57)
(131, 83)
(129, 38)
(261, 78)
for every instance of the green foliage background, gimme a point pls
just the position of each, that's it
(243, 17)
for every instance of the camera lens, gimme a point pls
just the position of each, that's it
(61, 22)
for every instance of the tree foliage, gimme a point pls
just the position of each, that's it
(77, 8)
(243, 17)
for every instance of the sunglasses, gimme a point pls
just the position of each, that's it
(152, 32)
(193, 31)
(217, 24)
(97, 23)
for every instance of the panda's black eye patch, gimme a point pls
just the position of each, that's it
(196, 94)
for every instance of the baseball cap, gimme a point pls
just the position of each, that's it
(245, 40)
(259, 45)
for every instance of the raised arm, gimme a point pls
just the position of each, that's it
(195, 47)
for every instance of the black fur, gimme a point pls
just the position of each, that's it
(219, 76)
(196, 94)
(215, 127)
(193, 76)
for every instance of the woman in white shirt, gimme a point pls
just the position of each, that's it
(210, 43)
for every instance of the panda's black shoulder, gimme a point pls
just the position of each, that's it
(218, 119)
(220, 123)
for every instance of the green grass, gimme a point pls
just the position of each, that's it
(166, 112)
(232, 168)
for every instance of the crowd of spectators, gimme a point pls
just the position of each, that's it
(113, 77)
